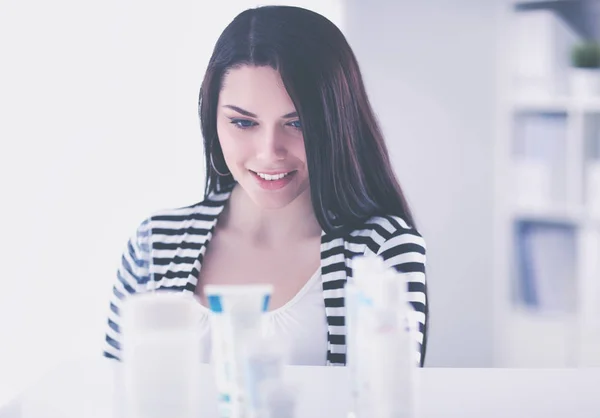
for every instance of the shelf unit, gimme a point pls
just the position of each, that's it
(525, 334)
(568, 105)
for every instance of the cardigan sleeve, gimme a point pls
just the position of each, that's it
(132, 276)
(405, 251)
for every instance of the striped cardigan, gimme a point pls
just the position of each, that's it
(169, 248)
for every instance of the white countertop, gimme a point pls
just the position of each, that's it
(83, 388)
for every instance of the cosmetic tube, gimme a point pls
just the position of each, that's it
(237, 313)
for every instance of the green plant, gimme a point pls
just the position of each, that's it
(586, 55)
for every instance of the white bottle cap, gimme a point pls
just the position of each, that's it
(383, 285)
(160, 311)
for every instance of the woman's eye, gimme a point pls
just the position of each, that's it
(243, 123)
(296, 124)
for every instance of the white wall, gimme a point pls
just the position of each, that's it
(99, 128)
(430, 72)
(100, 121)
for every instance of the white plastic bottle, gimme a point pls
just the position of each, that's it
(381, 342)
(161, 361)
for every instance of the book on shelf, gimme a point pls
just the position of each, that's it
(541, 45)
(539, 149)
(546, 278)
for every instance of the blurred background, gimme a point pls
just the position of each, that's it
(491, 110)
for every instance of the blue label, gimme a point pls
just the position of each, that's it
(214, 302)
(363, 300)
(266, 303)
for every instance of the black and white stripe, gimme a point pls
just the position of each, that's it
(176, 241)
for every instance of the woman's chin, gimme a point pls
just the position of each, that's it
(272, 201)
(269, 199)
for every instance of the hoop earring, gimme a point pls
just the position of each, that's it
(212, 163)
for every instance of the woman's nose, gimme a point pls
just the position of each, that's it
(272, 146)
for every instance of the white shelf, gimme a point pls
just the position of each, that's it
(591, 222)
(540, 2)
(556, 104)
(538, 339)
(558, 215)
(587, 105)
(526, 336)
(576, 216)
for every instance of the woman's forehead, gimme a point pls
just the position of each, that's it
(256, 89)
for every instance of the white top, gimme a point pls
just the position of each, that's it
(301, 324)
(167, 250)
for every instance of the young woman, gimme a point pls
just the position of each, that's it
(298, 182)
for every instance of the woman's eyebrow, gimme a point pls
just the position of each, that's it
(290, 115)
(241, 111)
(244, 112)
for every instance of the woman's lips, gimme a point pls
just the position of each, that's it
(273, 180)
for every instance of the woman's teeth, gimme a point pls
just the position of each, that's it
(272, 177)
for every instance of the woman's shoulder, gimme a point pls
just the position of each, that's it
(206, 209)
(395, 240)
(390, 236)
(194, 218)
(384, 227)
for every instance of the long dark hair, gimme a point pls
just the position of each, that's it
(351, 178)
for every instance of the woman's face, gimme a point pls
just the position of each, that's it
(261, 136)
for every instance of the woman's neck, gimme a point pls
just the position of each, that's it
(296, 221)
